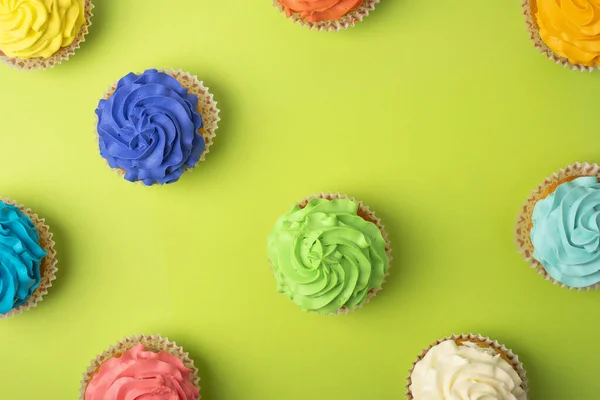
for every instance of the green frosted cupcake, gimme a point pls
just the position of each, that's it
(329, 254)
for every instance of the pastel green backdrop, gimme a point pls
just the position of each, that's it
(438, 114)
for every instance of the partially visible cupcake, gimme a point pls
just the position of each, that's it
(153, 126)
(39, 34)
(329, 254)
(467, 367)
(566, 32)
(558, 228)
(27, 259)
(326, 15)
(140, 367)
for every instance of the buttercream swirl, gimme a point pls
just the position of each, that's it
(326, 257)
(566, 232)
(39, 28)
(20, 257)
(465, 372)
(320, 10)
(141, 374)
(149, 128)
(571, 28)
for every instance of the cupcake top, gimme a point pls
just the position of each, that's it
(566, 232)
(467, 371)
(20, 257)
(139, 374)
(39, 28)
(571, 28)
(325, 256)
(149, 128)
(320, 10)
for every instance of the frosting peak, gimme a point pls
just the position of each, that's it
(320, 10)
(325, 257)
(465, 372)
(39, 28)
(149, 128)
(566, 232)
(141, 374)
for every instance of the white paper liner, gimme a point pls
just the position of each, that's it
(524, 224)
(63, 54)
(47, 267)
(539, 43)
(347, 21)
(155, 343)
(484, 342)
(363, 211)
(207, 107)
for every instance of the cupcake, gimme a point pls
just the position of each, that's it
(27, 259)
(558, 228)
(467, 367)
(567, 31)
(329, 254)
(140, 367)
(39, 34)
(326, 15)
(155, 125)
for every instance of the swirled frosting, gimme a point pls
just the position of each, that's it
(141, 374)
(465, 372)
(326, 257)
(571, 28)
(320, 10)
(149, 128)
(39, 28)
(566, 232)
(20, 257)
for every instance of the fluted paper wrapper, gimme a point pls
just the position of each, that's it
(364, 212)
(63, 54)
(529, 10)
(483, 342)
(524, 220)
(347, 21)
(207, 107)
(47, 266)
(155, 343)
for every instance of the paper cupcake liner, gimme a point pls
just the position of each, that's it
(482, 341)
(524, 222)
(364, 212)
(155, 343)
(207, 107)
(63, 54)
(538, 42)
(347, 21)
(47, 267)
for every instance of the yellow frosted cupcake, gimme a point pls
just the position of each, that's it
(38, 34)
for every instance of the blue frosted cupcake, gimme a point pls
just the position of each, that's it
(154, 126)
(27, 259)
(558, 229)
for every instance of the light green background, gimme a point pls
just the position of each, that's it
(439, 114)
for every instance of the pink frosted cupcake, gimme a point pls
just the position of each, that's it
(140, 367)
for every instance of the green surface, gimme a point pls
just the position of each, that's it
(438, 114)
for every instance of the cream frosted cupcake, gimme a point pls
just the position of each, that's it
(329, 254)
(469, 367)
(326, 15)
(566, 32)
(558, 228)
(156, 125)
(39, 34)
(140, 367)
(27, 259)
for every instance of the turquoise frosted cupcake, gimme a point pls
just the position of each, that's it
(329, 254)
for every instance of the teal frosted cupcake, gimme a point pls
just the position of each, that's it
(329, 254)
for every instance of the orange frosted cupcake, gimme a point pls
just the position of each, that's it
(327, 15)
(567, 31)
